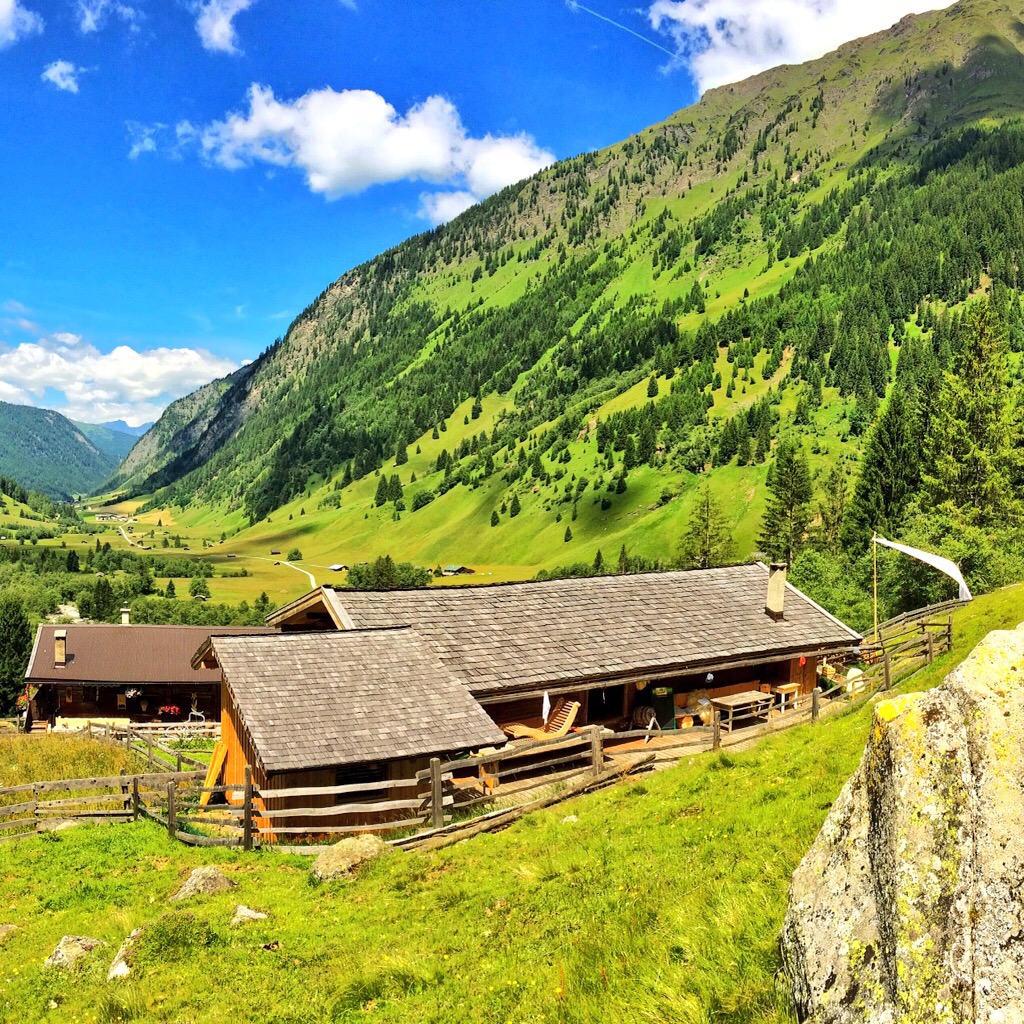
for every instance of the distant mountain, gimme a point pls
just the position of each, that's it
(123, 428)
(46, 452)
(112, 442)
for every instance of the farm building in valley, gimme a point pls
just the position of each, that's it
(607, 642)
(362, 688)
(356, 710)
(121, 672)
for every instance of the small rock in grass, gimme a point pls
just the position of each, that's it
(203, 882)
(343, 858)
(243, 915)
(6, 931)
(122, 965)
(70, 950)
(570, 819)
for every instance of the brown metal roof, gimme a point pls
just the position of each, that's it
(526, 636)
(311, 700)
(114, 655)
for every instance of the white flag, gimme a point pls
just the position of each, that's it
(944, 565)
(545, 708)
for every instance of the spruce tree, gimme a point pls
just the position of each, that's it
(568, 534)
(972, 459)
(169, 591)
(831, 509)
(788, 513)
(495, 518)
(706, 541)
(515, 508)
(381, 497)
(15, 648)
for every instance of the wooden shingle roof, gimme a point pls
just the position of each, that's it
(311, 700)
(526, 636)
(105, 655)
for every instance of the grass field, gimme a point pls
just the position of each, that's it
(661, 902)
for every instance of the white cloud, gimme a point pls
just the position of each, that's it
(121, 384)
(93, 14)
(215, 24)
(143, 138)
(727, 40)
(347, 141)
(14, 306)
(16, 22)
(62, 74)
(440, 207)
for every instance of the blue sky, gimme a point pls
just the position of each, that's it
(179, 178)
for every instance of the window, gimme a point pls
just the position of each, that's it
(355, 774)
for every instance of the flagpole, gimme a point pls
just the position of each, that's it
(874, 560)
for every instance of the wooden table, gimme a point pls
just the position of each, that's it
(740, 701)
(785, 690)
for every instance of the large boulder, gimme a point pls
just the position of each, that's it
(343, 858)
(203, 882)
(908, 908)
(123, 961)
(70, 950)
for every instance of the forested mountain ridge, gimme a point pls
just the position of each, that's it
(44, 451)
(594, 338)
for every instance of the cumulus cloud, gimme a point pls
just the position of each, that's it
(122, 384)
(62, 74)
(143, 138)
(16, 22)
(727, 40)
(215, 24)
(346, 141)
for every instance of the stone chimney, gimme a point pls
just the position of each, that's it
(775, 603)
(60, 647)
(126, 616)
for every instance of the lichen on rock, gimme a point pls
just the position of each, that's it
(907, 909)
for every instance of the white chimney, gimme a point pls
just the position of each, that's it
(126, 616)
(60, 647)
(775, 604)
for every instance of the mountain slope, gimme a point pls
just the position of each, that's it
(46, 452)
(115, 444)
(587, 342)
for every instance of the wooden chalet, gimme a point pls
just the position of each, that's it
(613, 643)
(344, 709)
(121, 672)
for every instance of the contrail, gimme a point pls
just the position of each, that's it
(574, 5)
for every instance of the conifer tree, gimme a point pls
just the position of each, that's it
(515, 508)
(788, 513)
(568, 534)
(15, 647)
(972, 458)
(706, 541)
(169, 591)
(831, 509)
(381, 497)
(495, 518)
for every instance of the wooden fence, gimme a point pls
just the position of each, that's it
(42, 806)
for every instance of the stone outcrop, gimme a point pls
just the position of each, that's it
(203, 882)
(341, 859)
(70, 950)
(909, 907)
(246, 915)
(122, 964)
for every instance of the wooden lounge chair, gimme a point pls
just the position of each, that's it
(554, 728)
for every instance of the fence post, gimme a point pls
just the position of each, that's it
(930, 640)
(149, 751)
(436, 793)
(716, 731)
(179, 761)
(886, 671)
(135, 798)
(815, 703)
(247, 810)
(172, 825)
(949, 632)
(596, 749)
(127, 802)
(88, 726)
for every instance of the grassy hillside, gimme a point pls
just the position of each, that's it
(45, 452)
(760, 256)
(661, 901)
